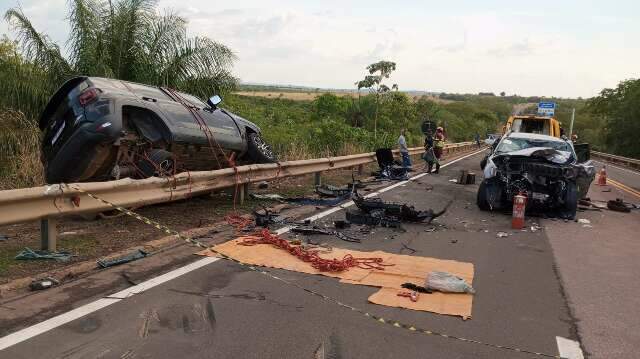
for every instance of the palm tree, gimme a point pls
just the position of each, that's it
(124, 39)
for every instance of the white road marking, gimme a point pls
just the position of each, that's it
(569, 349)
(49, 324)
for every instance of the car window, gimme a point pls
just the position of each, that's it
(516, 144)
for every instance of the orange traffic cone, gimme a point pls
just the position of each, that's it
(602, 177)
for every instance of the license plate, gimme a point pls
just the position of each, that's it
(58, 133)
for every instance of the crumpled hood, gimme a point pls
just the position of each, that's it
(549, 154)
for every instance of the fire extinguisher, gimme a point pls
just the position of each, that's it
(519, 206)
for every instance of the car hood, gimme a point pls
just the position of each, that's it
(546, 153)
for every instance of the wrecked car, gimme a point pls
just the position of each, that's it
(545, 169)
(97, 129)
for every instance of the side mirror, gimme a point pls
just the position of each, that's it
(583, 152)
(214, 101)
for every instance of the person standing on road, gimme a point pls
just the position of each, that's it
(429, 155)
(477, 138)
(404, 150)
(438, 146)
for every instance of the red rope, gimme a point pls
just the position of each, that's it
(311, 256)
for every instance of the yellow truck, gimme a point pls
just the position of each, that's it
(542, 125)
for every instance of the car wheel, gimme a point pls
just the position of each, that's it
(158, 163)
(489, 195)
(259, 150)
(483, 162)
(571, 201)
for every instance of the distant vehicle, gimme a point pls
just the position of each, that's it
(492, 138)
(97, 129)
(541, 125)
(545, 169)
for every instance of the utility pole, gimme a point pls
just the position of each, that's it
(573, 117)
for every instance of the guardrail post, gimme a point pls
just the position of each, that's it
(244, 192)
(360, 170)
(317, 179)
(48, 234)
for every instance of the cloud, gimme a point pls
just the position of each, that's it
(519, 48)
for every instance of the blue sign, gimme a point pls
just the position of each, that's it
(546, 108)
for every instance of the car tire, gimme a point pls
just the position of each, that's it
(571, 200)
(489, 195)
(483, 162)
(157, 159)
(259, 151)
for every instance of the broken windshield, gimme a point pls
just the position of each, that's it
(516, 144)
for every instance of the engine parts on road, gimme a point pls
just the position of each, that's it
(399, 211)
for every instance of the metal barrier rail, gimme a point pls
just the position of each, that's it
(626, 161)
(50, 202)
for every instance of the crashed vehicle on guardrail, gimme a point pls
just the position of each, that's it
(97, 129)
(545, 169)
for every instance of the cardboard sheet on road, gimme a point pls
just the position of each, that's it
(405, 268)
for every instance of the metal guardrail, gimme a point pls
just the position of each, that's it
(30, 204)
(626, 161)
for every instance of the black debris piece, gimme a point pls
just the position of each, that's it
(399, 211)
(139, 254)
(373, 219)
(340, 224)
(619, 205)
(263, 185)
(417, 288)
(332, 191)
(466, 177)
(266, 218)
(4, 237)
(389, 167)
(44, 283)
(310, 230)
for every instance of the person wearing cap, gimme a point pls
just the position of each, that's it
(429, 156)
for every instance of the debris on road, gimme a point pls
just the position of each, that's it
(268, 196)
(400, 211)
(341, 224)
(448, 283)
(312, 257)
(372, 219)
(453, 180)
(535, 227)
(619, 205)
(4, 237)
(266, 217)
(411, 295)
(29, 254)
(466, 177)
(310, 230)
(584, 221)
(301, 200)
(44, 283)
(416, 288)
(139, 254)
(502, 234)
(332, 191)
(263, 185)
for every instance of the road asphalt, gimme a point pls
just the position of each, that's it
(564, 280)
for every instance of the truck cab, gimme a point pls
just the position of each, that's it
(541, 125)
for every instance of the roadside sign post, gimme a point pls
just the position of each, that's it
(573, 116)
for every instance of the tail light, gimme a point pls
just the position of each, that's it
(87, 96)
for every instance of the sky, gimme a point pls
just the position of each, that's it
(550, 48)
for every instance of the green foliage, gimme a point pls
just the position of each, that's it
(378, 72)
(618, 110)
(124, 39)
